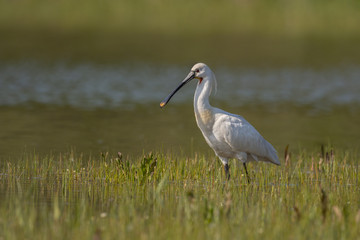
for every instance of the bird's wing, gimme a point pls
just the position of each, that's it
(241, 136)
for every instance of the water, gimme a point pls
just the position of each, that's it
(95, 108)
(104, 86)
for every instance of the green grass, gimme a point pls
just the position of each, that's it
(158, 196)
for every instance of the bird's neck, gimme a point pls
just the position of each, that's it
(203, 110)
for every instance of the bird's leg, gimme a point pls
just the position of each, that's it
(227, 173)
(247, 175)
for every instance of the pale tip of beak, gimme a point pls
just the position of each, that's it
(162, 104)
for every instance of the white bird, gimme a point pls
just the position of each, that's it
(229, 135)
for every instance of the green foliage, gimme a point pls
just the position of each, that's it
(231, 31)
(170, 197)
(147, 167)
(178, 17)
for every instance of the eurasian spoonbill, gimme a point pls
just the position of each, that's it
(229, 135)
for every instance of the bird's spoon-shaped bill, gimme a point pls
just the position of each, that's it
(189, 77)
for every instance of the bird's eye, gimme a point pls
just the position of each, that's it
(197, 70)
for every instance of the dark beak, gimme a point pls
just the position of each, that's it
(189, 77)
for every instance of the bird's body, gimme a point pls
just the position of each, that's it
(229, 135)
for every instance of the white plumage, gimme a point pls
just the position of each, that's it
(229, 135)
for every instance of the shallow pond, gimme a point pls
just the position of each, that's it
(95, 108)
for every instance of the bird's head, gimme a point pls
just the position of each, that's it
(199, 71)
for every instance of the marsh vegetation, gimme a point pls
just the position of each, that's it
(160, 196)
(82, 80)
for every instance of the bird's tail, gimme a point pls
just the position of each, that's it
(272, 155)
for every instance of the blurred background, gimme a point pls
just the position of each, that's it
(89, 75)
